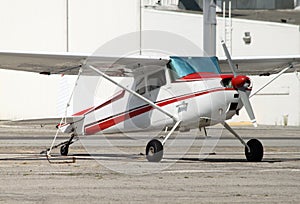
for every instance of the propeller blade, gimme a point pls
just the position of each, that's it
(241, 90)
(232, 67)
(247, 105)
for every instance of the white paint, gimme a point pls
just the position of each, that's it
(224, 170)
(187, 171)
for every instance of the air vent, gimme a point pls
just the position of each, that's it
(233, 106)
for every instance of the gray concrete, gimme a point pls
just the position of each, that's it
(222, 176)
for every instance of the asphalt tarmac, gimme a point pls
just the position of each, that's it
(113, 168)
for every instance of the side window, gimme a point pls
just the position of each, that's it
(140, 86)
(156, 80)
(174, 76)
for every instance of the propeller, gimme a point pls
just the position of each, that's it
(241, 84)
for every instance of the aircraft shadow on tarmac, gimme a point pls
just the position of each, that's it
(141, 156)
(138, 157)
(134, 157)
(224, 160)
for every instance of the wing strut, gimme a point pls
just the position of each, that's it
(134, 93)
(63, 120)
(273, 79)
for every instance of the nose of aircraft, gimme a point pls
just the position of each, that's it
(240, 81)
(241, 84)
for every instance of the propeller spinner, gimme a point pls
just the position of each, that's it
(241, 84)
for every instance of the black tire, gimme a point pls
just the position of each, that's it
(154, 151)
(64, 150)
(256, 151)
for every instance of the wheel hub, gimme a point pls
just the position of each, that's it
(151, 151)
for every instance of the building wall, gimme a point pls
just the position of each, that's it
(278, 103)
(187, 25)
(33, 25)
(267, 38)
(28, 95)
(94, 22)
(89, 24)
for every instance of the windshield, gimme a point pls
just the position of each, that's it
(183, 66)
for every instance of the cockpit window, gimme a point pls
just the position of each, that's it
(183, 66)
(156, 80)
(140, 86)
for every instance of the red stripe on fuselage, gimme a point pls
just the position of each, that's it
(199, 76)
(84, 111)
(111, 121)
(115, 120)
(114, 98)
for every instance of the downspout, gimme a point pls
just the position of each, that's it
(209, 27)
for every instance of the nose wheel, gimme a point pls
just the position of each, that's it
(256, 151)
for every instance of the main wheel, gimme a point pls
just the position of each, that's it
(256, 151)
(154, 151)
(64, 150)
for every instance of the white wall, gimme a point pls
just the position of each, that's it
(267, 38)
(33, 25)
(48, 25)
(277, 101)
(186, 25)
(94, 22)
(24, 95)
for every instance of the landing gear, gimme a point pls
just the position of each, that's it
(64, 150)
(154, 151)
(256, 151)
(155, 148)
(64, 146)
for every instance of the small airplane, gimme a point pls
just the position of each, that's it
(201, 95)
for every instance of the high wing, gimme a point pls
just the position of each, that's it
(126, 66)
(68, 63)
(261, 65)
(44, 63)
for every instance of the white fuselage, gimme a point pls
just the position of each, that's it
(197, 102)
